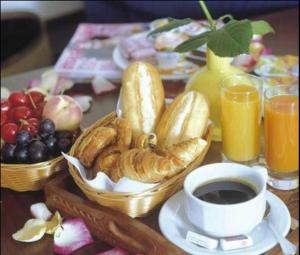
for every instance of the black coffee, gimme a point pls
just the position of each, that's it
(225, 192)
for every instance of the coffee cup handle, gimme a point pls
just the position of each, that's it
(262, 171)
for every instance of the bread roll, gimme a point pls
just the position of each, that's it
(185, 118)
(142, 97)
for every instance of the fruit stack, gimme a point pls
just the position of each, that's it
(30, 134)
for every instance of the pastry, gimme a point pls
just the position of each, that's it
(94, 143)
(107, 158)
(124, 133)
(185, 153)
(143, 165)
(144, 141)
(185, 118)
(151, 166)
(141, 97)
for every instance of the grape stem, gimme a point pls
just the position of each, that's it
(31, 100)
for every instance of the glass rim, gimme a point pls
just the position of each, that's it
(258, 88)
(278, 87)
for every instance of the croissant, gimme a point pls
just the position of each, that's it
(94, 143)
(151, 166)
(107, 159)
(124, 133)
(144, 141)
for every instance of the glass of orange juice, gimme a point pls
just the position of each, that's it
(281, 123)
(241, 118)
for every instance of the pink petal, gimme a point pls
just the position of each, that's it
(101, 85)
(62, 85)
(114, 251)
(73, 235)
(84, 101)
(34, 84)
(267, 51)
(40, 211)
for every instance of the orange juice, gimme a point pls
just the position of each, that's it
(282, 133)
(240, 113)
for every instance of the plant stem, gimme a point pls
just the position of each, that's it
(207, 15)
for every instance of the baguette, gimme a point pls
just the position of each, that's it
(186, 118)
(142, 97)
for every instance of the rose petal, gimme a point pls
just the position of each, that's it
(101, 85)
(114, 251)
(40, 211)
(62, 85)
(33, 230)
(34, 84)
(5, 92)
(39, 89)
(267, 51)
(72, 235)
(54, 223)
(84, 102)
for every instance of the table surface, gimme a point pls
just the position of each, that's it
(15, 206)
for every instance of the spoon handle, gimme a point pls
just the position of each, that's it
(287, 247)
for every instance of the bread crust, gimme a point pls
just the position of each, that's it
(142, 97)
(107, 159)
(94, 143)
(155, 165)
(186, 118)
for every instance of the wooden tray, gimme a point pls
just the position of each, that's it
(140, 235)
(113, 227)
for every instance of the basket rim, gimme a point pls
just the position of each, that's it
(121, 195)
(34, 166)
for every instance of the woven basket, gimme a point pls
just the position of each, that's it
(133, 204)
(30, 177)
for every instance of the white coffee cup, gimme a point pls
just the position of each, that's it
(221, 220)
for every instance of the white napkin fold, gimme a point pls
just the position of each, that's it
(103, 183)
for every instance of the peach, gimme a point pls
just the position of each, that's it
(64, 111)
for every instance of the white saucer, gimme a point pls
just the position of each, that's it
(174, 226)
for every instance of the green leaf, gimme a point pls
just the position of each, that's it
(232, 39)
(193, 43)
(174, 23)
(261, 27)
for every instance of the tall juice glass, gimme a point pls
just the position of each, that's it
(241, 118)
(281, 121)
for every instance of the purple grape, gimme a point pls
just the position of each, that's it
(46, 128)
(37, 152)
(21, 154)
(8, 152)
(23, 137)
